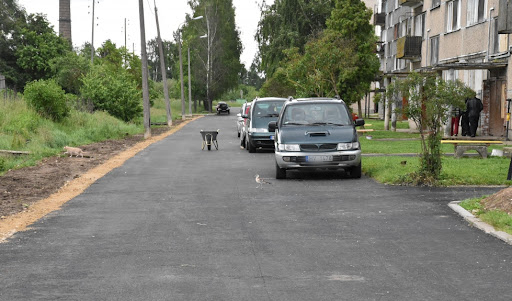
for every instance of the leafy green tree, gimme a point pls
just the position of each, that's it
(113, 91)
(286, 24)
(351, 20)
(216, 60)
(68, 71)
(37, 45)
(278, 85)
(12, 20)
(47, 98)
(429, 100)
(327, 61)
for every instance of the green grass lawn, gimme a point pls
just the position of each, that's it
(392, 170)
(499, 219)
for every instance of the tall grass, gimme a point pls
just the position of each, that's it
(23, 129)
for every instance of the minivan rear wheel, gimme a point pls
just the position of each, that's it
(280, 172)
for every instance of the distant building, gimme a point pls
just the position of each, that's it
(465, 40)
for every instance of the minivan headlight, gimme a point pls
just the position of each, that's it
(348, 146)
(289, 147)
(259, 130)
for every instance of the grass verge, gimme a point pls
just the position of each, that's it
(499, 219)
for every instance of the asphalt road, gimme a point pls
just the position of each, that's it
(178, 223)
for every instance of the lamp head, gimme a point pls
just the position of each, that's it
(197, 18)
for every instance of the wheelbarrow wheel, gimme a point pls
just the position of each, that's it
(209, 146)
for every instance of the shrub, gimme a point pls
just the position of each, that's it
(47, 98)
(113, 92)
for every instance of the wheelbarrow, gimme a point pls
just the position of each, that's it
(209, 138)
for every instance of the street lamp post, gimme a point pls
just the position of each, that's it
(181, 69)
(189, 81)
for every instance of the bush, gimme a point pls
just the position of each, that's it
(113, 92)
(47, 98)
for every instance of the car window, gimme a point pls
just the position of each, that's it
(267, 108)
(316, 114)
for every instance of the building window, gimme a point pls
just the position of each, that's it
(452, 15)
(436, 3)
(434, 50)
(476, 11)
(419, 25)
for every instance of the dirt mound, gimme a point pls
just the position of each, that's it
(501, 200)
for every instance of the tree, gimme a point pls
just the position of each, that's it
(216, 60)
(37, 45)
(113, 91)
(287, 24)
(68, 71)
(327, 62)
(429, 100)
(351, 20)
(278, 85)
(12, 20)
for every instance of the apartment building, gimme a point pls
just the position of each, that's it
(467, 40)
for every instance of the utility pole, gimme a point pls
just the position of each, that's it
(145, 88)
(189, 86)
(163, 70)
(181, 78)
(208, 63)
(92, 38)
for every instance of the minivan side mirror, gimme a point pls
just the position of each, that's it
(359, 122)
(272, 126)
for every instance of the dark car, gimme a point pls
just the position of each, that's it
(263, 111)
(222, 107)
(316, 133)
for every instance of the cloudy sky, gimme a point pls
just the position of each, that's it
(110, 16)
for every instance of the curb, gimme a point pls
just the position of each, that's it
(475, 221)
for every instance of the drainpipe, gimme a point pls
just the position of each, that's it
(489, 39)
(426, 56)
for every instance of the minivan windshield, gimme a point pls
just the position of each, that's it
(316, 114)
(267, 108)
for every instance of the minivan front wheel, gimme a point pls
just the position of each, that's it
(355, 172)
(280, 172)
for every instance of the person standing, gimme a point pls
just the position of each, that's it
(456, 113)
(473, 107)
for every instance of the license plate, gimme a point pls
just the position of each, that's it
(271, 137)
(318, 158)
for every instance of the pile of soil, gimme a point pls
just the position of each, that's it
(501, 200)
(20, 188)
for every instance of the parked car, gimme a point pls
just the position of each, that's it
(263, 111)
(222, 107)
(243, 127)
(240, 120)
(316, 133)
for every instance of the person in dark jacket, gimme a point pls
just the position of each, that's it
(473, 108)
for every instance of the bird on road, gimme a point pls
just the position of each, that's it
(260, 181)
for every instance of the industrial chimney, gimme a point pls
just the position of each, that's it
(65, 19)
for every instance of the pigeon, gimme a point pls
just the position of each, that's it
(260, 181)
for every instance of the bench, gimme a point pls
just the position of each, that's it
(364, 130)
(460, 146)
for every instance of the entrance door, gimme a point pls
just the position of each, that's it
(497, 107)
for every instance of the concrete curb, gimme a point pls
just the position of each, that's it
(475, 221)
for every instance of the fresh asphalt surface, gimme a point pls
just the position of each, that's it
(178, 223)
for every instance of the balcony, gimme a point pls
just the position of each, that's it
(379, 19)
(410, 3)
(408, 47)
(505, 17)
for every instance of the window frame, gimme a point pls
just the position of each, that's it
(453, 14)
